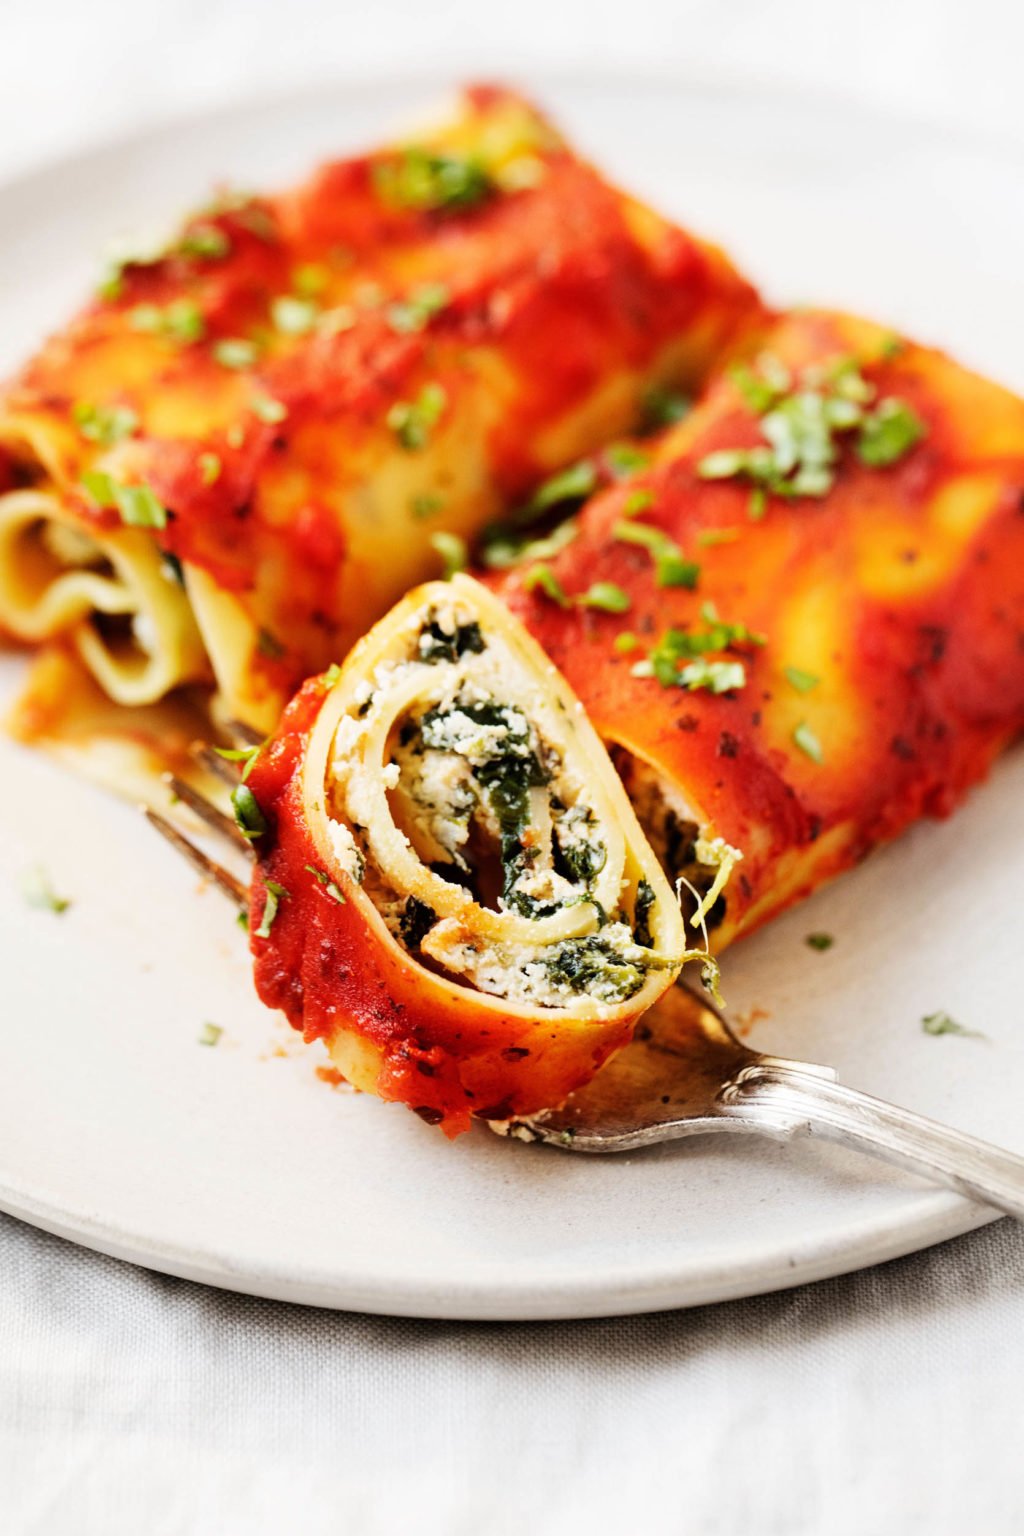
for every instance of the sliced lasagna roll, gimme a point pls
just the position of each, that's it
(452, 889)
(291, 398)
(802, 627)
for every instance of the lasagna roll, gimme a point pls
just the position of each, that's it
(452, 889)
(237, 457)
(802, 626)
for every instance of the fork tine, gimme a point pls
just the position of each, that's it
(222, 878)
(208, 812)
(245, 734)
(209, 758)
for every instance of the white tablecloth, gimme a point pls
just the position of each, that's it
(886, 1403)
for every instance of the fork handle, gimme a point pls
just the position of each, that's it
(788, 1097)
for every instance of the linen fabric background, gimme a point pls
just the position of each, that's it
(880, 1404)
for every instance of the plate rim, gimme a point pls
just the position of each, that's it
(926, 1216)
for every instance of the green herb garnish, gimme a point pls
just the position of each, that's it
(275, 894)
(249, 817)
(412, 421)
(543, 576)
(889, 432)
(293, 316)
(802, 681)
(820, 941)
(808, 742)
(235, 352)
(211, 1033)
(802, 423)
(453, 551)
(572, 484)
(662, 407)
(416, 312)
(607, 596)
(942, 1024)
(137, 504)
(625, 459)
(270, 411)
(328, 884)
(37, 891)
(637, 501)
(426, 504)
(244, 755)
(715, 676)
(207, 241)
(104, 424)
(432, 183)
(209, 468)
(181, 321)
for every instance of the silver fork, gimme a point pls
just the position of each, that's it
(686, 1073)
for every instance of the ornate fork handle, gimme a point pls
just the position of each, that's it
(789, 1097)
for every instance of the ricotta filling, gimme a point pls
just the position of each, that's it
(488, 803)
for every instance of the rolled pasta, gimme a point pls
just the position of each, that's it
(452, 888)
(292, 397)
(818, 621)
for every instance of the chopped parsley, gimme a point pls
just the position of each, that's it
(625, 459)
(572, 484)
(412, 421)
(426, 504)
(607, 596)
(709, 538)
(328, 884)
(37, 891)
(543, 576)
(637, 501)
(819, 941)
(503, 545)
(249, 817)
(244, 755)
(671, 569)
(416, 312)
(670, 659)
(293, 316)
(802, 681)
(209, 468)
(802, 422)
(104, 424)
(807, 741)
(889, 432)
(235, 352)
(207, 241)
(453, 551)
(432, 183)
(625, 642)
(181, 321)
(941, 1023)
(275, 894)
(662, 407)
(210, 1033)
(138, 506)
(270, 411)
(715, 676)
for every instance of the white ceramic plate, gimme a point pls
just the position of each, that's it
(236, 1165)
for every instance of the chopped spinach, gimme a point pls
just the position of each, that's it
(642, 914)
(436, 644)
(416, 921)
